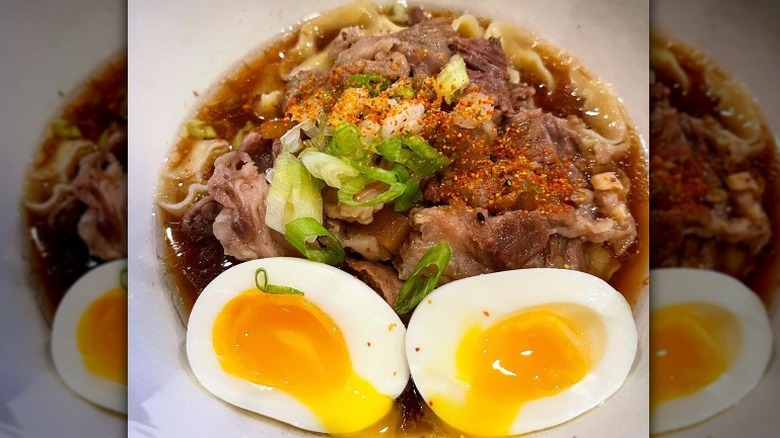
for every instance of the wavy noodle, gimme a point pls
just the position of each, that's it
(468, 26)
(736, 110)
(62, 164)
(662, 59)
(46, 207)
(519, 45)
(601, 109)
(305, 55)
(177, 209)
(604, 149)
(739, 149)
(197, 163)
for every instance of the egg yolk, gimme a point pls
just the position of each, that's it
(102, 336)
(531, 354)
(691, 344)
(287, 342)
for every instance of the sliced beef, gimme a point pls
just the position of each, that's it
(487, 67)
(420, 50)
(482, 244)
(483, 55)
(426, 46)
(101, 185)
(260, 149)
(380, 277)
(532, 166)
(374, 55)
(197, 222)
(478, 246)
(241, 190)
(565, 253)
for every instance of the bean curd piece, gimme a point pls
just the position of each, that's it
(606, 181)
(742, 181)
(388, 227)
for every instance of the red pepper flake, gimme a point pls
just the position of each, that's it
(486, 313)
(416, 348)
(430, 403)
(368, 343)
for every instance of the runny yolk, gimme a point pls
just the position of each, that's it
(287, 342)
(532, 354)
(102, 336)
(691, 344)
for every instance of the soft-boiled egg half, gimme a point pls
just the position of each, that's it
(89, 336)
(517, 351)
(330, 360)
(710, 343)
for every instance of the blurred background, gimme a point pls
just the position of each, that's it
(47, 49)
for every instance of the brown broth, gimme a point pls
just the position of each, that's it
(56, 254)
(190, 266)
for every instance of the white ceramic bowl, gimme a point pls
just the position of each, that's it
(47, 49)
(180, 48)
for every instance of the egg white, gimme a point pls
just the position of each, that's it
(441, 320)
(64, 340)
(683, 285)
(361, 314)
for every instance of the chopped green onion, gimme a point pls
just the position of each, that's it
(200, 130)
(413, 152)
(423, 281)
(261, 281)
(314, 241)
(422, 148)
(372, 81)
(412, 192)
(294, 193)
(374, 172)
(452, 79)
(404, 91)
(348, 191)
(123, 278)
(345, 142)
(65, 130)
(328, 168)
(241, 134)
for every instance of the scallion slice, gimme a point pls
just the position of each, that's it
(314, 241)
(200, 130)
(422, 148)
(65, 130)
(372, 81)
(345, 142)
(348, 191)
(261, 281)
(424, 278)
(413, 152)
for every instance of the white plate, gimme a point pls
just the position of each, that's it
(743, 38)
(46, 48)
(178, 48)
